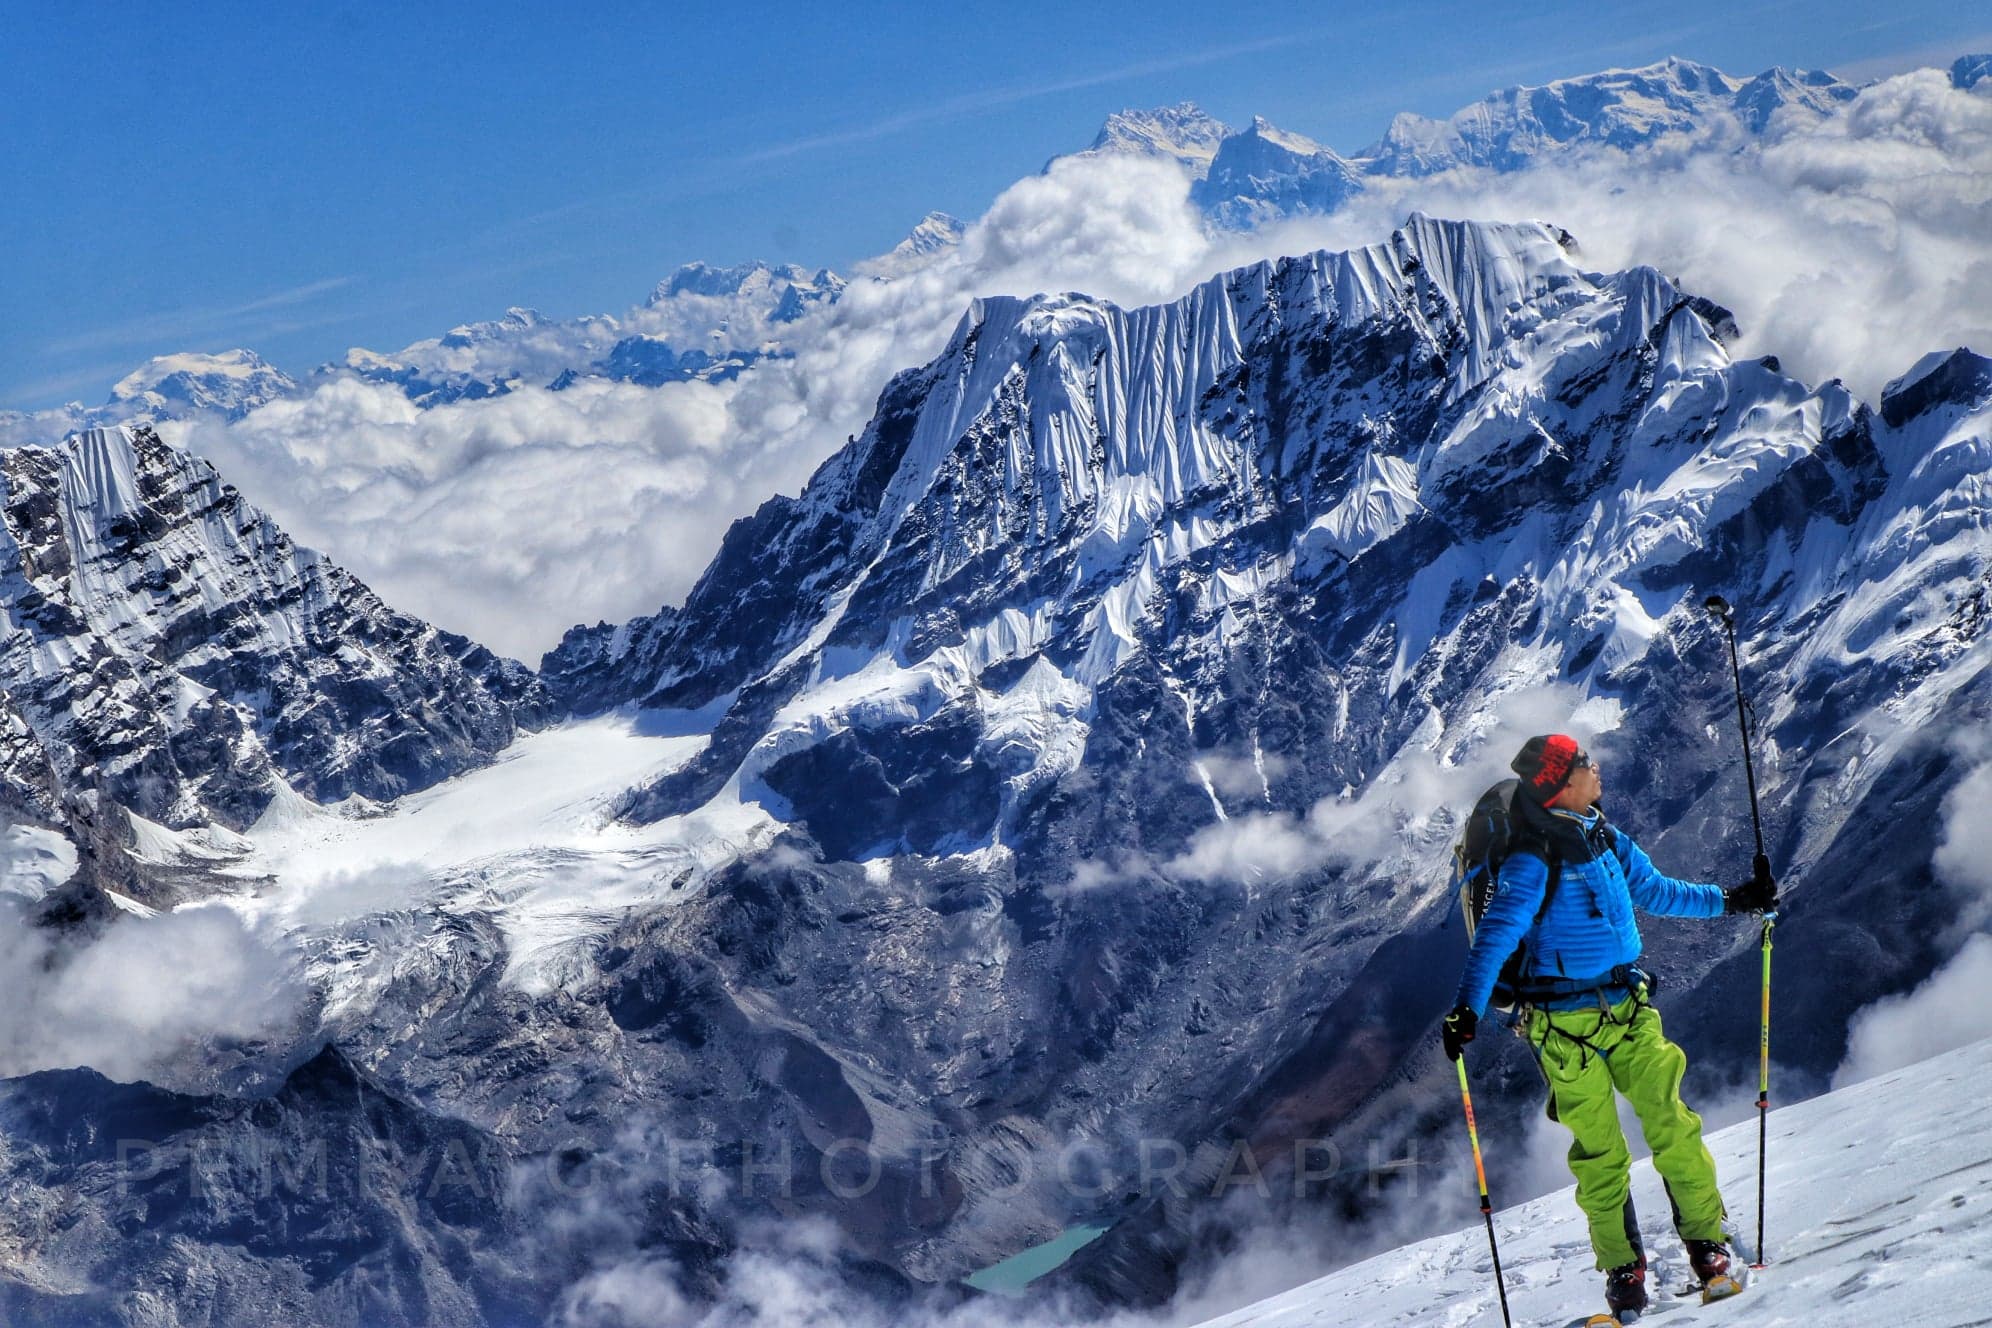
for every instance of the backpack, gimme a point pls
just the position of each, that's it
(1492, 835)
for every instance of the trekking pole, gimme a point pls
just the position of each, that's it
(1761, 866)
(1764, 1089)
(1719, 607)
(1486, 1205)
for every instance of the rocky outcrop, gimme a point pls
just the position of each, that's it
(168, 650)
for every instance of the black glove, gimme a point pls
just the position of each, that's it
(1457, 1030)
(1759, 894)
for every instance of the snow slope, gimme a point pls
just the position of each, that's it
(1880, 1210)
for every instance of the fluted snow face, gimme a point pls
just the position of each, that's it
(1066, 423)
(1106, 412)
(1068, 469)
(1072, 486)
(170, 648)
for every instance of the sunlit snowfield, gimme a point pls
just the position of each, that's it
(531, 840)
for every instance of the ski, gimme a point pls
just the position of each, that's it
(1720, 1287)
(1625, 1320)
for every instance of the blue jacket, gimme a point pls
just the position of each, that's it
(1588, 929)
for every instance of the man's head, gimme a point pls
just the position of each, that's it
(1557, 772)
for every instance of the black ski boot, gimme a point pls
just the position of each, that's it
(1625, 1290)
(1710, 1260)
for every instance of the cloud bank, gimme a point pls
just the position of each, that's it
(1948, 1010)
(134, 1000)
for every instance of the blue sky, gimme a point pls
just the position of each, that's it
(297, 181)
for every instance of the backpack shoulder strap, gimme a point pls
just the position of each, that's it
(1555, 860)
(1540, 846)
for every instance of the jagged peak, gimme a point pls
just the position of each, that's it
(1952, 376)
(1968, 71)
(1472, 262)
(702, 278)
(1674, 69)
(1183, 133)
(935, 231)
(1185, 119)
(1298, 144)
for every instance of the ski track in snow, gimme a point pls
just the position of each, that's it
(1880, 1211)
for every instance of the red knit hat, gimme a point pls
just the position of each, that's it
(1546, 763)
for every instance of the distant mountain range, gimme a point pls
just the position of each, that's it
(705, 322)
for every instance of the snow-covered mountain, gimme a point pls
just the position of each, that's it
(1082, 724)
(1065, 769)
(1246, 178)
(937, 234)
(232, 383)
(173, 659)
(1618, 109)
(701, 322)
(706, 322)
(484, 359)
(1265, 173)
(1182, 133)
(166, 387)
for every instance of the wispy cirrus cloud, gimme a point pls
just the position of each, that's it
(192, 324)
(1917, 55)
(975, 103)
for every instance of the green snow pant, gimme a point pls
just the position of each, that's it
(1587, 1054)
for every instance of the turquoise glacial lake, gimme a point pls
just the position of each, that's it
(1011, 1276)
